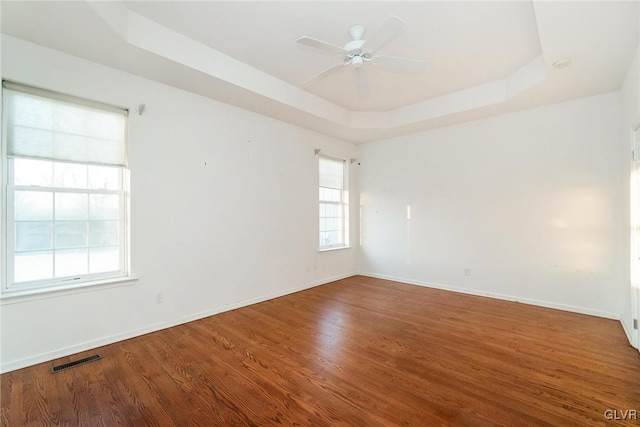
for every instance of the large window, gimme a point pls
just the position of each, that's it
(333, 199)
(65, 188)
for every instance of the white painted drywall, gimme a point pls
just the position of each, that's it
(224, 212)
(630, 101)
(529, 202)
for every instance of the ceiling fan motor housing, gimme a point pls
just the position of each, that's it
(354, 47)
(355, 54)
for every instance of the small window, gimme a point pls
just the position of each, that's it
(333, 205)
(65, 189)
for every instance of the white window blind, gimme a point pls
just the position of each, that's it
(332, 203)
(46, 125)
(331, 173)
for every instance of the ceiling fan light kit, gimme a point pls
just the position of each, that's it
(356, 32)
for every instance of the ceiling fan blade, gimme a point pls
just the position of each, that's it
(398, 63)
(320, 45)
(324, 73)
(391, 29)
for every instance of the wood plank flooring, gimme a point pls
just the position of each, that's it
(356, 352)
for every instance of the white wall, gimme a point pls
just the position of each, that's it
(224, 212)
(630, 101)
(530, 202)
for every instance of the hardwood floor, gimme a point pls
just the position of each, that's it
(356, 352)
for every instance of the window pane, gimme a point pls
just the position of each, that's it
(33, 266)
(71, 206)
(104, 178)
(330, 238)
(33, 205)
(328, 210)
(102, 260)
(69, 175)
(335, 237)
(71, 234)
(33, 235)
(104, 206)
(32, 172)
(71, 262)
(103, 233)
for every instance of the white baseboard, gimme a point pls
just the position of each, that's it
(88, 345)
(477, 292)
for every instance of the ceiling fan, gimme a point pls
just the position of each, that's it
(359, 51)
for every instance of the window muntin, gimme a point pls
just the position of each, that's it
(332, 203)
(65, 191)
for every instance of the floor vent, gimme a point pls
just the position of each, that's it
(64, 366)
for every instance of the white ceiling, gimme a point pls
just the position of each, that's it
(452, 39)
(483, 58)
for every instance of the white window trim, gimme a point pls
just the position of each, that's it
(344, 203)
(59, 287)
(336, 248)
(26, 295)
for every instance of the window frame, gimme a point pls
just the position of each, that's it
(343, 204)
(8, 287)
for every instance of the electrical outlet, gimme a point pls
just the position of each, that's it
(159, 299)
(467, 271)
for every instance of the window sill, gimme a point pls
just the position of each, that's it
(16, 297)
(338, 248)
